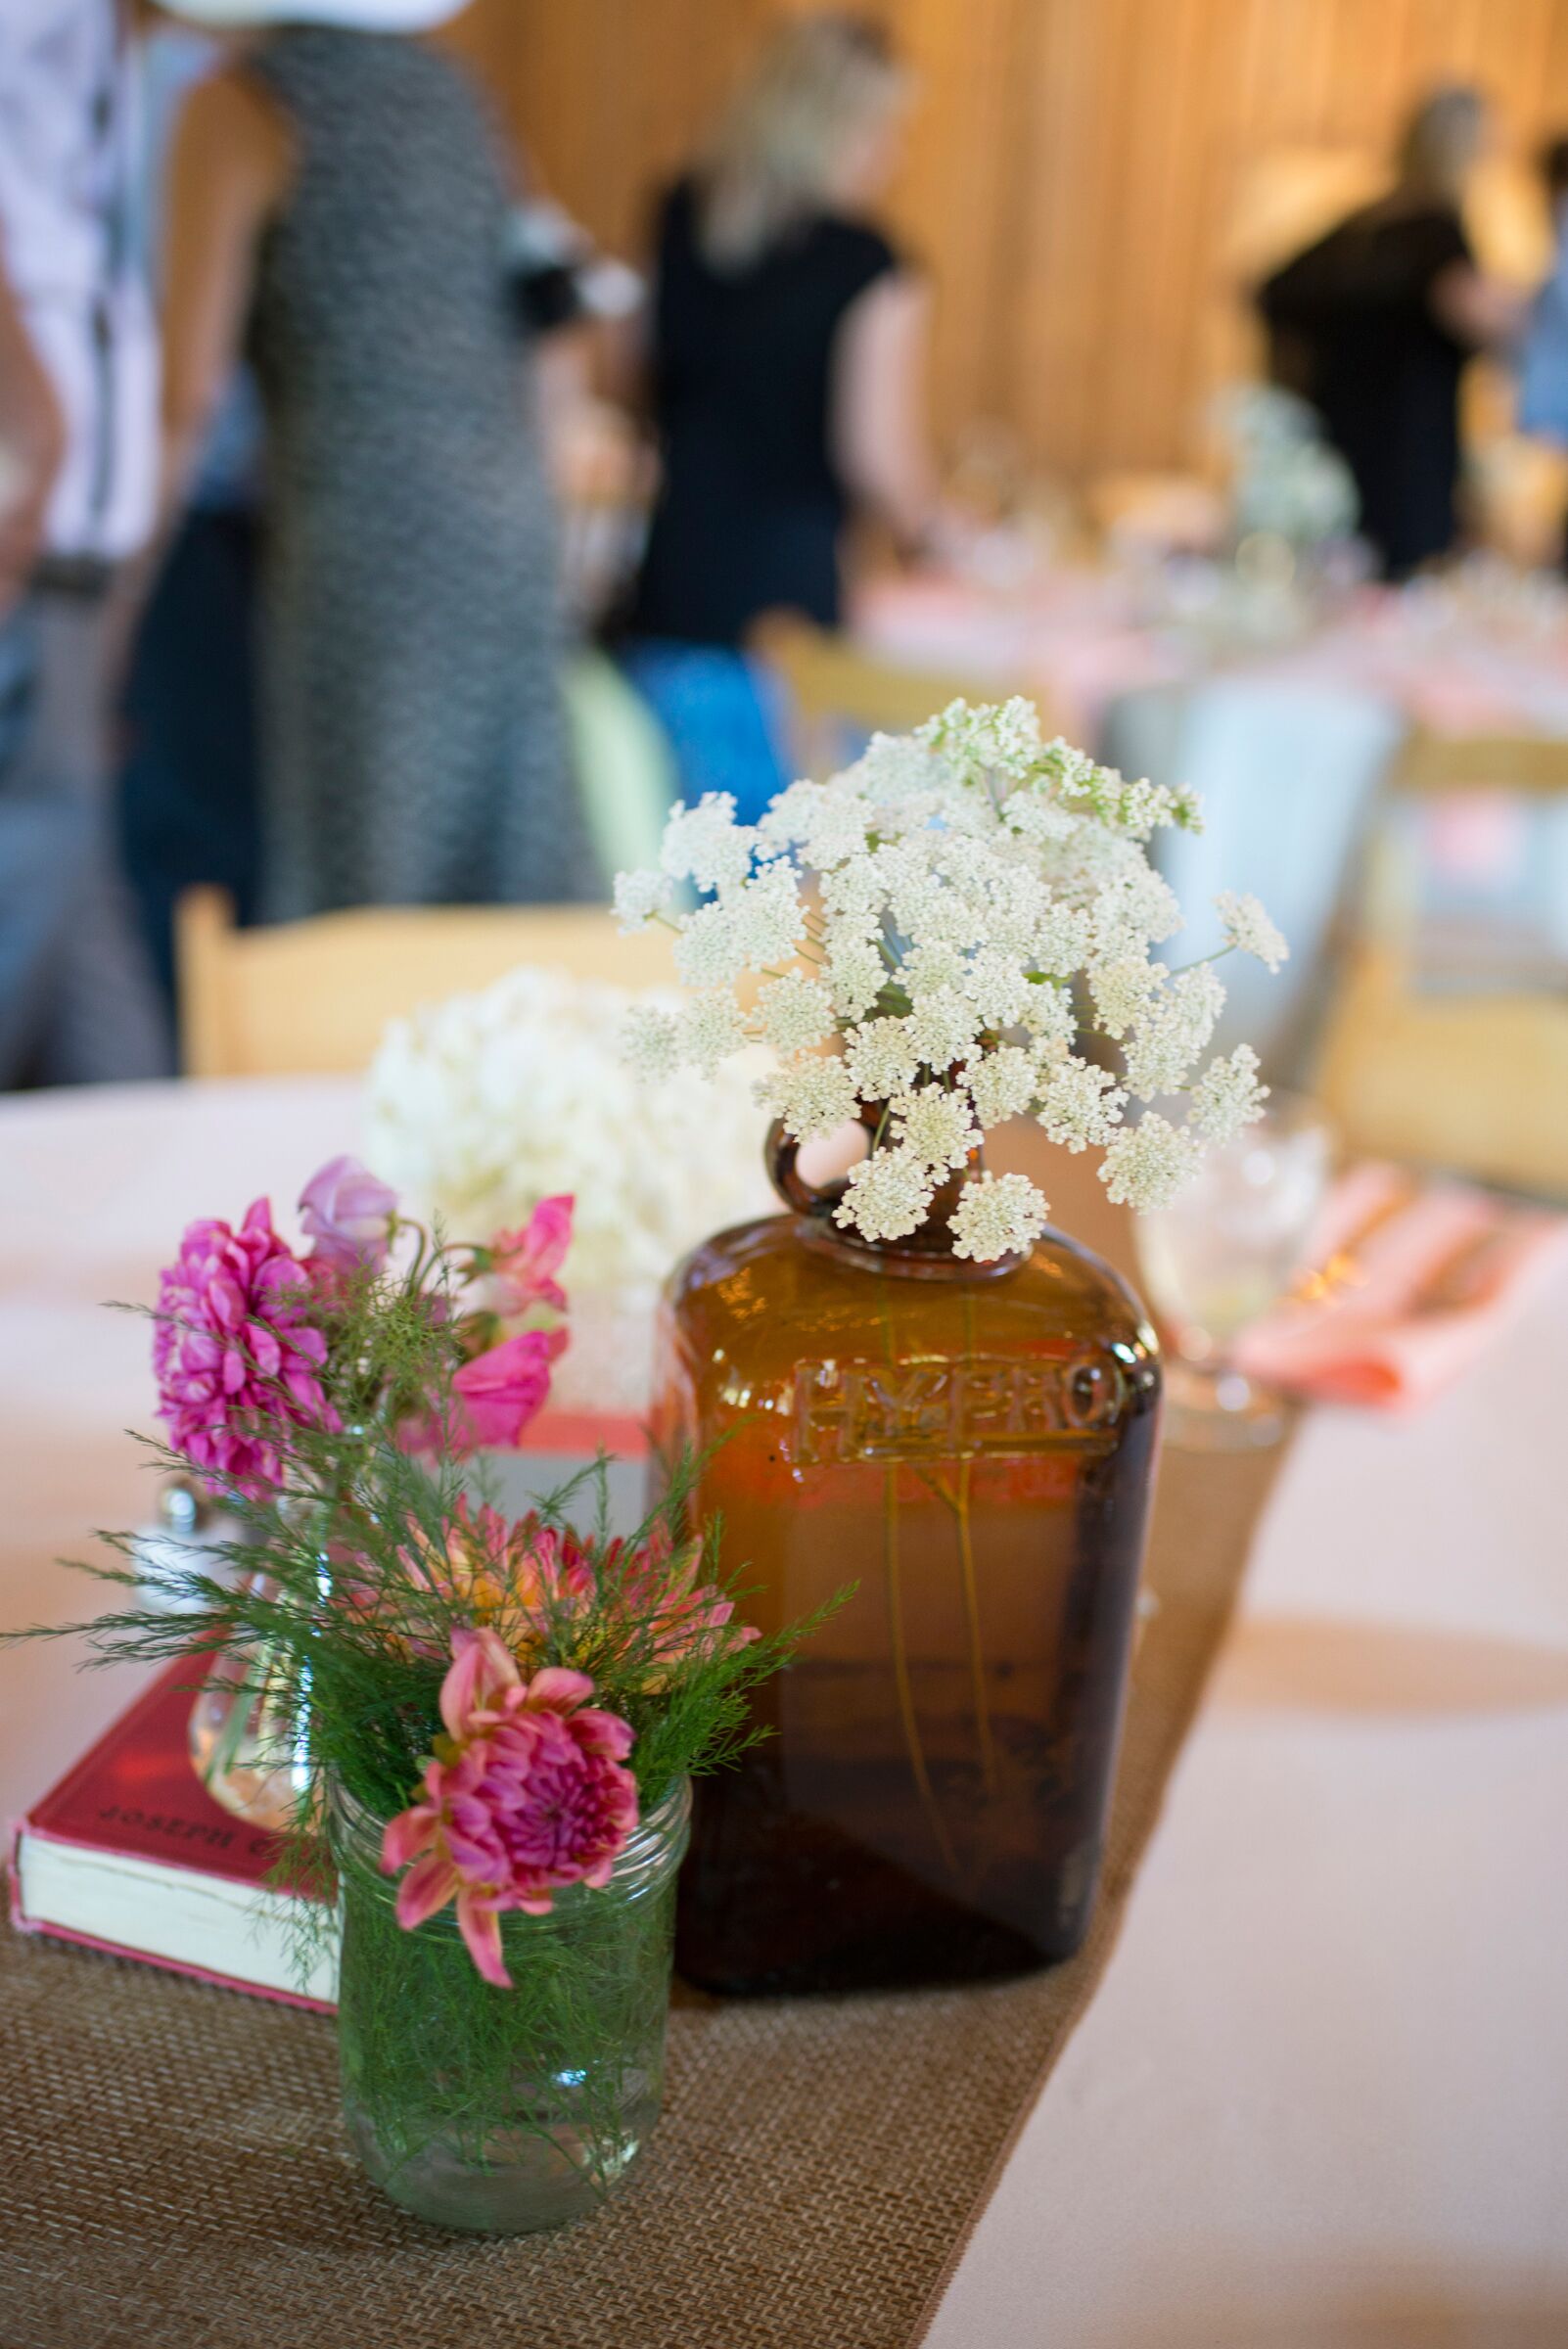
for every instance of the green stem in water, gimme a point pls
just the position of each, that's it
(901, 1668)
(977, 1652)
(966, 1555)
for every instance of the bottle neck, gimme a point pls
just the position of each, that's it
(924, 1254)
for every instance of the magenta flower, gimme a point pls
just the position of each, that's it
(526, 1794)
(235, 1348)
(348, 1213)
(499, 1392)
(526, 1260)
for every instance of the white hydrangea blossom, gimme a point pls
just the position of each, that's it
(999, 1215)
(651, 1040)
(908, 938)
(1247, 926)
(479, 1107)
(1227, 1095)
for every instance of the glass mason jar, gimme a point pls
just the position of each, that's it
(506, 2111)
(971, 1445)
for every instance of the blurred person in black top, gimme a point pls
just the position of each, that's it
(785, 369)
(1376, 322)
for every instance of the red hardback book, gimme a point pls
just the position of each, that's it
(129, 1853)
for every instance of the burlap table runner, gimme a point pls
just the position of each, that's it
(172, 2174)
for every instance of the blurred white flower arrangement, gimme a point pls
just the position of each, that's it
(980, 899)
(1286, 481)
(482, 1105)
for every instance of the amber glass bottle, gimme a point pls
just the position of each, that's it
(970, 1446)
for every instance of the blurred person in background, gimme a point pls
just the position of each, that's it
(78, 458)
(189, 786)
(1543, 359)
(338, 208)
(1376, 322)
(785, 365)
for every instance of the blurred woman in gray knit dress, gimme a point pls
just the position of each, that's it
(340, 211)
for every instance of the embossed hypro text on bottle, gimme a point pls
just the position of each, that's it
(929, 1409)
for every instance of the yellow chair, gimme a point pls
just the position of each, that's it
(313, 996)
(1473, 1082)
(838, 691)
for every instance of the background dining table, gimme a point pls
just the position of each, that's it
(1285, 729)
(1321, 2095)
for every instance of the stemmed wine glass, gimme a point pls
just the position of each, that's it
(1219, 1256)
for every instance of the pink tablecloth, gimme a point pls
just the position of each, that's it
(1085, 637)
(1321, 2100)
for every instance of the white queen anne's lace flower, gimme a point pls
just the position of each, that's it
(882, 1059)
(1146, 1164)
(889, 1195)
(999, 1215)
(941, 1026)
(1122, 988)
(855, 975)
(640, 896)
(1081, 1105)
(998, 987)
(1002, 1084)
(810, 1098)
(938, 1126)
(705, 843)
(712, 1029)
(962, 898)
(1247, 926)
(796, 1013)
(1227, 1096)
(1173, 1028)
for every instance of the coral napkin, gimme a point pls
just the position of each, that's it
(1417, 1279)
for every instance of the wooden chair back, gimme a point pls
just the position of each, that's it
(838, 691)
(314, 996)
(1472, 1081)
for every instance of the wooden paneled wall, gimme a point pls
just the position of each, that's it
(1089, 180)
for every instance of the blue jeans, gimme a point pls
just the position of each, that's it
(76, 995)
(722, 713)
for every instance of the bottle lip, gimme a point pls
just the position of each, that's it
(902, 1260)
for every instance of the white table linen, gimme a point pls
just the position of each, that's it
(1321, 2097)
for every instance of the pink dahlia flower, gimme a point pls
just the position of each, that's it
(499, 1392)
(528, 1793)
(235, 1348)
(528, 1261)
(348, 1213)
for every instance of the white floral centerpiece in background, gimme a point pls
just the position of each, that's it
(482, 1105)
(927, 942)
(1286, 480)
